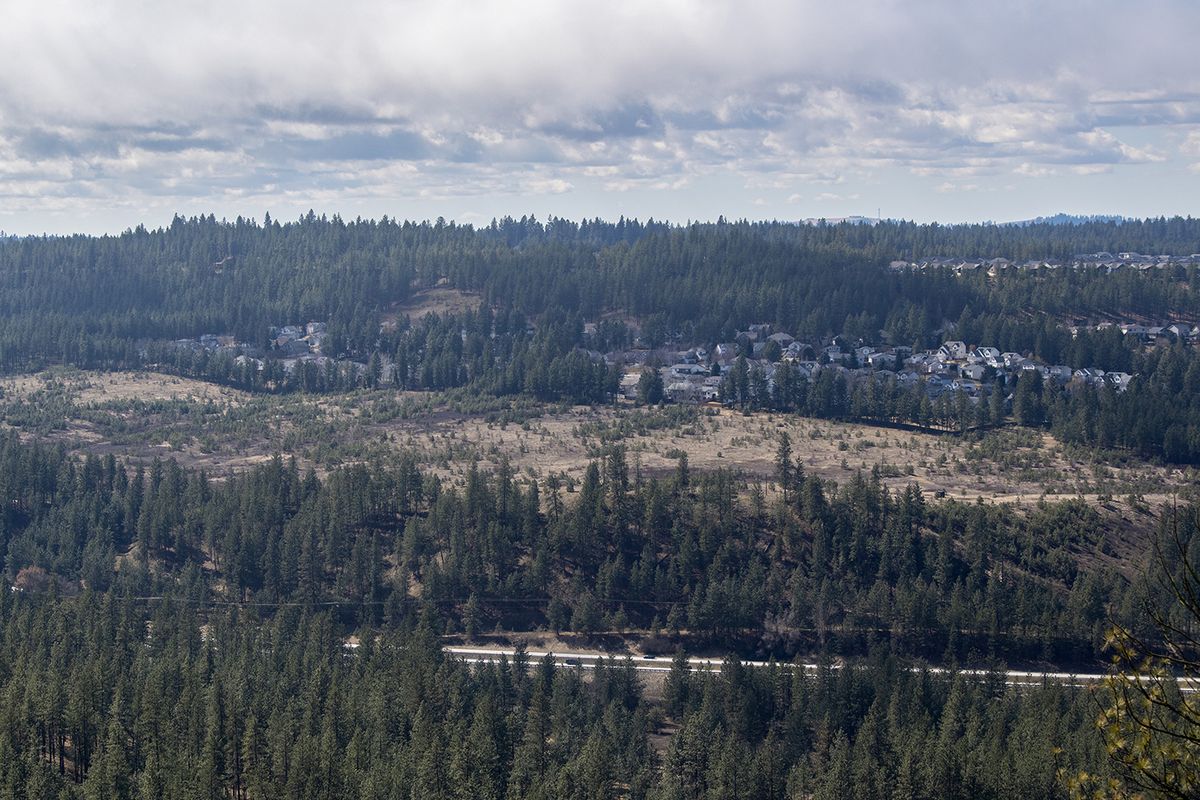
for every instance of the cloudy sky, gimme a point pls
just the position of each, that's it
(115, 113)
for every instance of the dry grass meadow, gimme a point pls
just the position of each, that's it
(147, 415)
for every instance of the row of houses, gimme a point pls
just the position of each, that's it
(1103, 261)
(209, 342)
(289, 341)
(1149, 334)
(954, 366)
(982, 364)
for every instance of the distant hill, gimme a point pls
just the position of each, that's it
(1056, 219)
(1066, 219)
(839, 220)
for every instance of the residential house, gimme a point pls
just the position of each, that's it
(1180, 330)
(628, 387)
(725, 351)
(936, 385)
(687, 370)
(684, 392)
(968, 387)
(974, 372)
(986, 355)
(1094, 377)
(952, 351)
(1033, 366)
(834, 353)
(1060, 372)
(882, 360)
(761, 330)
(1140, 331)
(290, 347)
(1012, 360)
(807, 369)
(919, 360)
(1119, 380)
(783, 339)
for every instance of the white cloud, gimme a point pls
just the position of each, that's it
(947, 187)
(550, 186)
(196, 100)
(1191, 144)
(1034, 170)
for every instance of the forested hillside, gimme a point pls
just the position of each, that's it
(91, 300)
(122, 302)
(276, 630)
(826, 569)
(170, 631)
(108, 699)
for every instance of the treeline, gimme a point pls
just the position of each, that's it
(492, 353)
(117, 700)
(877, 732)
(826, 568)
(96, 301)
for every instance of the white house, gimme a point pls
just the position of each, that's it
(988, 355)
(1180, 330)
(882, 360)
(1120, 380)
(684, 370)
(725, 351)
(1012, 359)
(953, 350)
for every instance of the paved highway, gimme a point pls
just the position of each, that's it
(476, 655)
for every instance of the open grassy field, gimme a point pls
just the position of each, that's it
(1007, 465)
(144, 415)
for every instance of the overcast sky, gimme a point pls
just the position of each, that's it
(115, 113)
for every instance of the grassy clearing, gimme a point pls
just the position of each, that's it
(438, 300)
(143, 415)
